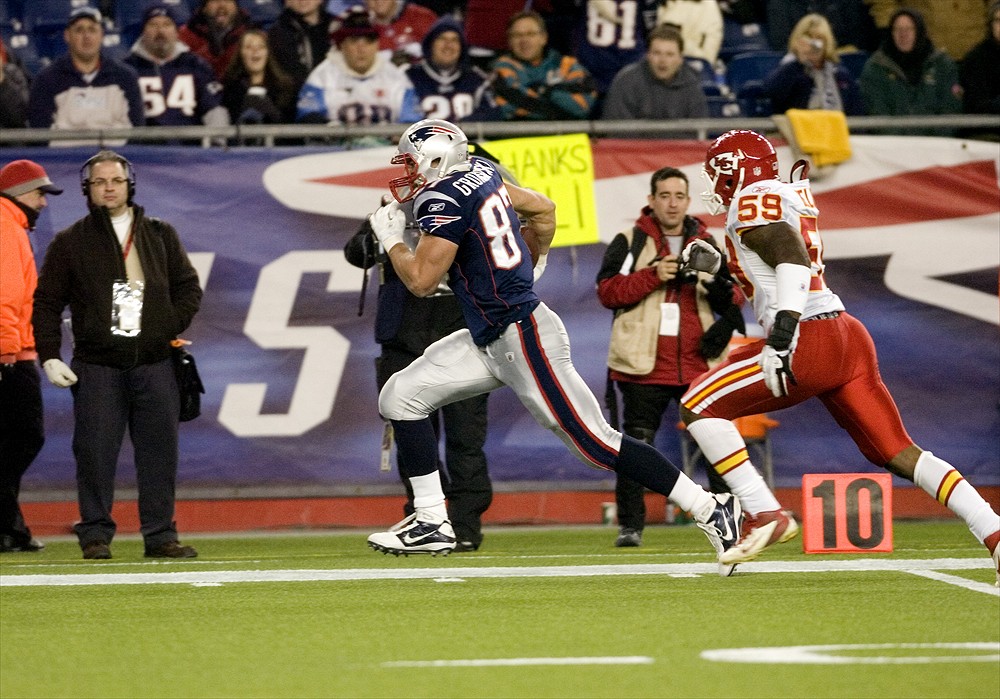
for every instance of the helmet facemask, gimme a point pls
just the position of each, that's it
(428, 150)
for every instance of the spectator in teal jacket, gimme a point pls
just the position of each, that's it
(533, 82)
(908, 75)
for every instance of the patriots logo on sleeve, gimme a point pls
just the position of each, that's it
(430, 223)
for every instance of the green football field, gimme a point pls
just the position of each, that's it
(538, 612)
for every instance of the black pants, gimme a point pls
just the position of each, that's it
(643, 408)
(22, 434)
(465, 477)
(106, 401)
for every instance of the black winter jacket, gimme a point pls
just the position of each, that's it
(81, 265)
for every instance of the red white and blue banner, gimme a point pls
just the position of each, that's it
(912, 244)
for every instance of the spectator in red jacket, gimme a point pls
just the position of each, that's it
(401, 27)
(214, 31)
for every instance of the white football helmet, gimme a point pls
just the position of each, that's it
(428, 150)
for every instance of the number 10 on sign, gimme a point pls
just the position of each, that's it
(847, 513)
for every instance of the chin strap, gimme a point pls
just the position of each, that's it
(800, 170)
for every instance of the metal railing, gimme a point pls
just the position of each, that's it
(348, 136)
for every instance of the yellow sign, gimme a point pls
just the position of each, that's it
(561, 168)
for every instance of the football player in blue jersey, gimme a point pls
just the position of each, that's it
(471, 229)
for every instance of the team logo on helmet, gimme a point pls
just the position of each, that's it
(727, 163)
(419, 135)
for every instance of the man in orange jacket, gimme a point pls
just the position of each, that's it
(23, 188)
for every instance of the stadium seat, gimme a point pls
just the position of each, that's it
(752, 65)
(26, 49)
(47, 16)
(263, 12)
(752, 100)
(722, 107)
(114, 45)
(854, 62)
(739, 38)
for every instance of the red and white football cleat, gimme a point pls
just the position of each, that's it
(760, 531)
(993, 544)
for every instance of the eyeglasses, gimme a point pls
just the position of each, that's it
(114, 182)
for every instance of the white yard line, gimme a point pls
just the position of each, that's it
(957, 581)
(508, 662)
(207, 578)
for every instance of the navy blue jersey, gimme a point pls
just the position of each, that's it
(605, 46)
(463, 94)
(492, 272)
(176, 93)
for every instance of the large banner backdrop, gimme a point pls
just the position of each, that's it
(912, 234)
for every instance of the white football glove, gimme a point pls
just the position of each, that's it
(699, 255)
(59, 374)
(776, 357)
(777, 368)
(389, 222)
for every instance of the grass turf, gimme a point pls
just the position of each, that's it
(341, 638)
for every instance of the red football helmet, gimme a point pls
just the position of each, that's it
(736, 159)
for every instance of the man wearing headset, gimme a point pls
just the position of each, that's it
(130, 289)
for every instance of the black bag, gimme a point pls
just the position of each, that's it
(188, 383)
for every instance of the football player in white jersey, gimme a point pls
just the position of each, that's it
(813, 348)
(470, 220)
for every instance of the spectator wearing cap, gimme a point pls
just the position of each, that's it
(356, 84)
(178, 87)
(401, 27)
(84, 89)
(214, 31)
(14, 89)
(23, 188)
(448, 86)
(300, 38)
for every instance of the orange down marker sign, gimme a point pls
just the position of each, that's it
(847, 512)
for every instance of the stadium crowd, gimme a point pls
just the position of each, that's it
(90, 63)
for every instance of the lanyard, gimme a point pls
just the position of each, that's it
(128, 240)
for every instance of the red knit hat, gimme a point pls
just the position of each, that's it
(22, 176)
(353, 22)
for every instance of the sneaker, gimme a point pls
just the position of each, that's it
(722, 528)
(96, 551)
(993, 545)
(12, 544)
(171, 549)
(430, 534)
(760, 531)
(628, 538)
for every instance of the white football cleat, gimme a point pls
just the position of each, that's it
(760, 531)
(426, 534)
(723, 528)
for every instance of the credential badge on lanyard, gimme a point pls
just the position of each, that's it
(126, 307)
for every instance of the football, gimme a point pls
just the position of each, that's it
(531, 238)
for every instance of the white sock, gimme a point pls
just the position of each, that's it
(945, 484)
(722, 445)
(428, 495)
(691, 497)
